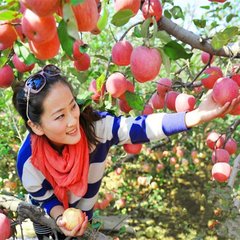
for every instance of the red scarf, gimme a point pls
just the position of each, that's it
(66, 172)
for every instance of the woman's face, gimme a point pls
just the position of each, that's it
(60, 118)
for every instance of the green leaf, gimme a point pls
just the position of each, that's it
(167, 14)
(166, 61)
(100, 81)
(145, 27)
(230, 17)
(163, 36)
(205, 7)
(134, 101)
(65, 40)
(103, 20)
(122, 17)
(200, 23)
(9, 15)
(222, 38)
(70, 20)
(177, 12)
(76, 2)
(137, 32)
(176, 51)
(101, 57)
(3, 61)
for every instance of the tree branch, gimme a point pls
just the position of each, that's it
(188, 37)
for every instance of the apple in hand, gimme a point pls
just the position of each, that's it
(73, 217)
(5, 227)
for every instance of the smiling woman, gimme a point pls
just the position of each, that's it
(61, 162)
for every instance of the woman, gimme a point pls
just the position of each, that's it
(61, 161)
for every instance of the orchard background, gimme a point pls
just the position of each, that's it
(166, 190)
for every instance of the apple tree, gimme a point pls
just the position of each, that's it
(131, 57)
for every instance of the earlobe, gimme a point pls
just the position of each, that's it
(36, 128)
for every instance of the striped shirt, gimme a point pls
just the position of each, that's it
(110, 130)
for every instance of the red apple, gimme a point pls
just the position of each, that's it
(211, 75)
(83, 63)
(236, 74)
(156, 101)
(220, 155)
(97, 93)
(231, 146)
(221, 171)
(152, 8)
(130, 88)
(205, 57)
(220, 1)
(159, 167)
(5, 227)
(185, 102)
(20, 65)
(214, 140)
(77, 54)
(132, 148)
(116, 84)
(6, 76)
(7, 35)
(164, 85)
(121, 53)
(145, 63)
(170, 100)
(73, 217)
(123, 106)
(132, 5)
(147, 109)
(231, 90)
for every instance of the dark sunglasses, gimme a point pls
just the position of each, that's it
(35, 83)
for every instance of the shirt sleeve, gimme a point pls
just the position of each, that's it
(141, 129)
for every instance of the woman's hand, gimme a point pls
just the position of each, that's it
(208, 109)
(77, 231)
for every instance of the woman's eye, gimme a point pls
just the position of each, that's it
(59, 117)
(74, 106)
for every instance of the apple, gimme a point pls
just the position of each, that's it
(120, 203)
(211, 75)
(42, 7)
(185, 102)
(236, 78)
(20, 65)
(133, 5)
(7, 35)
(47, 50)
(236, 73)
(116, 84)
(220, 1)
(97, 93)
(5, 227)
(159, 167)
(123, 106)
(214, 140)
(152, 8)
(205, 57)
(38, 29)
(172, 160)
(170, 100)
(129, 88)
(145, 63)
(6, 76)
(147, 109)
(83, 63)
(77, 54)
(163, 85)
(121, 53)
(220, 155)
(231, 146)
(156, 101)
(231, 90)
(236, 110)
(221, 171)
(73, 217)
(132, 148)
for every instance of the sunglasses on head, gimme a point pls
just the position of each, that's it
(35, 83)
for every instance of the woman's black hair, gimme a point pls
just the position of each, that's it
(35, 107)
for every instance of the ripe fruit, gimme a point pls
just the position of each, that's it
(121, 53)
(221, 171)
(221, 1)
(205, 57)
(83, 63)
(38, 29)
(164, 85)
(185, 102)
(170, 100)
(73, 217)
(236, 74)
(6, 76)
(97, 93)
(159, 167)
(132, 5)
(7, 35)
(20, 65)
(152, 8)
(214, 140)
(86, 15)
(220, 155)
(156, 101)
(116, 84)
(42, 7)
(5, 227)
(123, 106)
(231, 146)
(145, 63)
(77, 54)
(231, 90)
(47, 50)
(130, 88)
(132, 148)
(211, 75)
(147, 110)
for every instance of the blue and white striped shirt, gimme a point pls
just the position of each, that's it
(110, 130)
